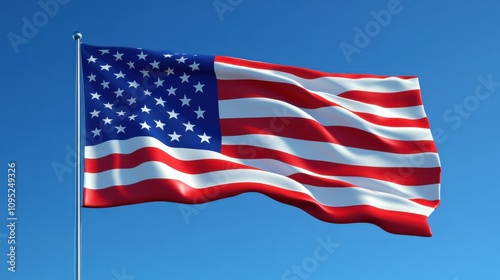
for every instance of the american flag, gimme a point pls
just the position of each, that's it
(165, 126)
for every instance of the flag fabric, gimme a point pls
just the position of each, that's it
(345, 148)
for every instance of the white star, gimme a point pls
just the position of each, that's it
(95, 95)
(144, 125)
(91, 77)
(159, 83)
(185, 100)
(169, 71)
(160, 101)
(167, 55)
(119, 75)
(171, 90)
(145, 109)
(172, 114)
(155, 64)
(189, 126)
(142, 56)
(184, 78)
(131, 101)
(104, 51)
(159, 124)
(204, 138)
(105, 84)
(107, 120)
(130, 65)
(147, 93)
(91, 59)
(94, 113)
(194, 66)
(133, 84)
(119, 92)
(174, 137)
(97, 132)
(121, 113)
(144, 73)
(198, 87)
(108, 105)
(118, 56)
(105, 67)
(181, 60)
(199, 113)
(132, 118)
(120, 128)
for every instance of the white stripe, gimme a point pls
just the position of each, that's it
(428, 192)
(328, 116)
(336, 197)
(331, 85)
(133, 144)
(333, 152)
(342, 197)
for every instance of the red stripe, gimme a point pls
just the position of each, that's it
(386, 100)
(123, 161)
(306, 129)
(394, 122)
(408, 176)
(429, 203)
(299, 97)
(297, 71)
(176, 191)
(307, 179)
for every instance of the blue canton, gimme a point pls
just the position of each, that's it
(132, 92)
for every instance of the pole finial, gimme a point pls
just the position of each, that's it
(77, 36)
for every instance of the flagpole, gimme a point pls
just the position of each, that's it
(77, 36)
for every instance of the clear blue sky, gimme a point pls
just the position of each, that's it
(452, 46)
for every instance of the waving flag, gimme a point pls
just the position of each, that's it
(164, 126)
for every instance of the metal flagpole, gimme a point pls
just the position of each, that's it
(77, 36)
